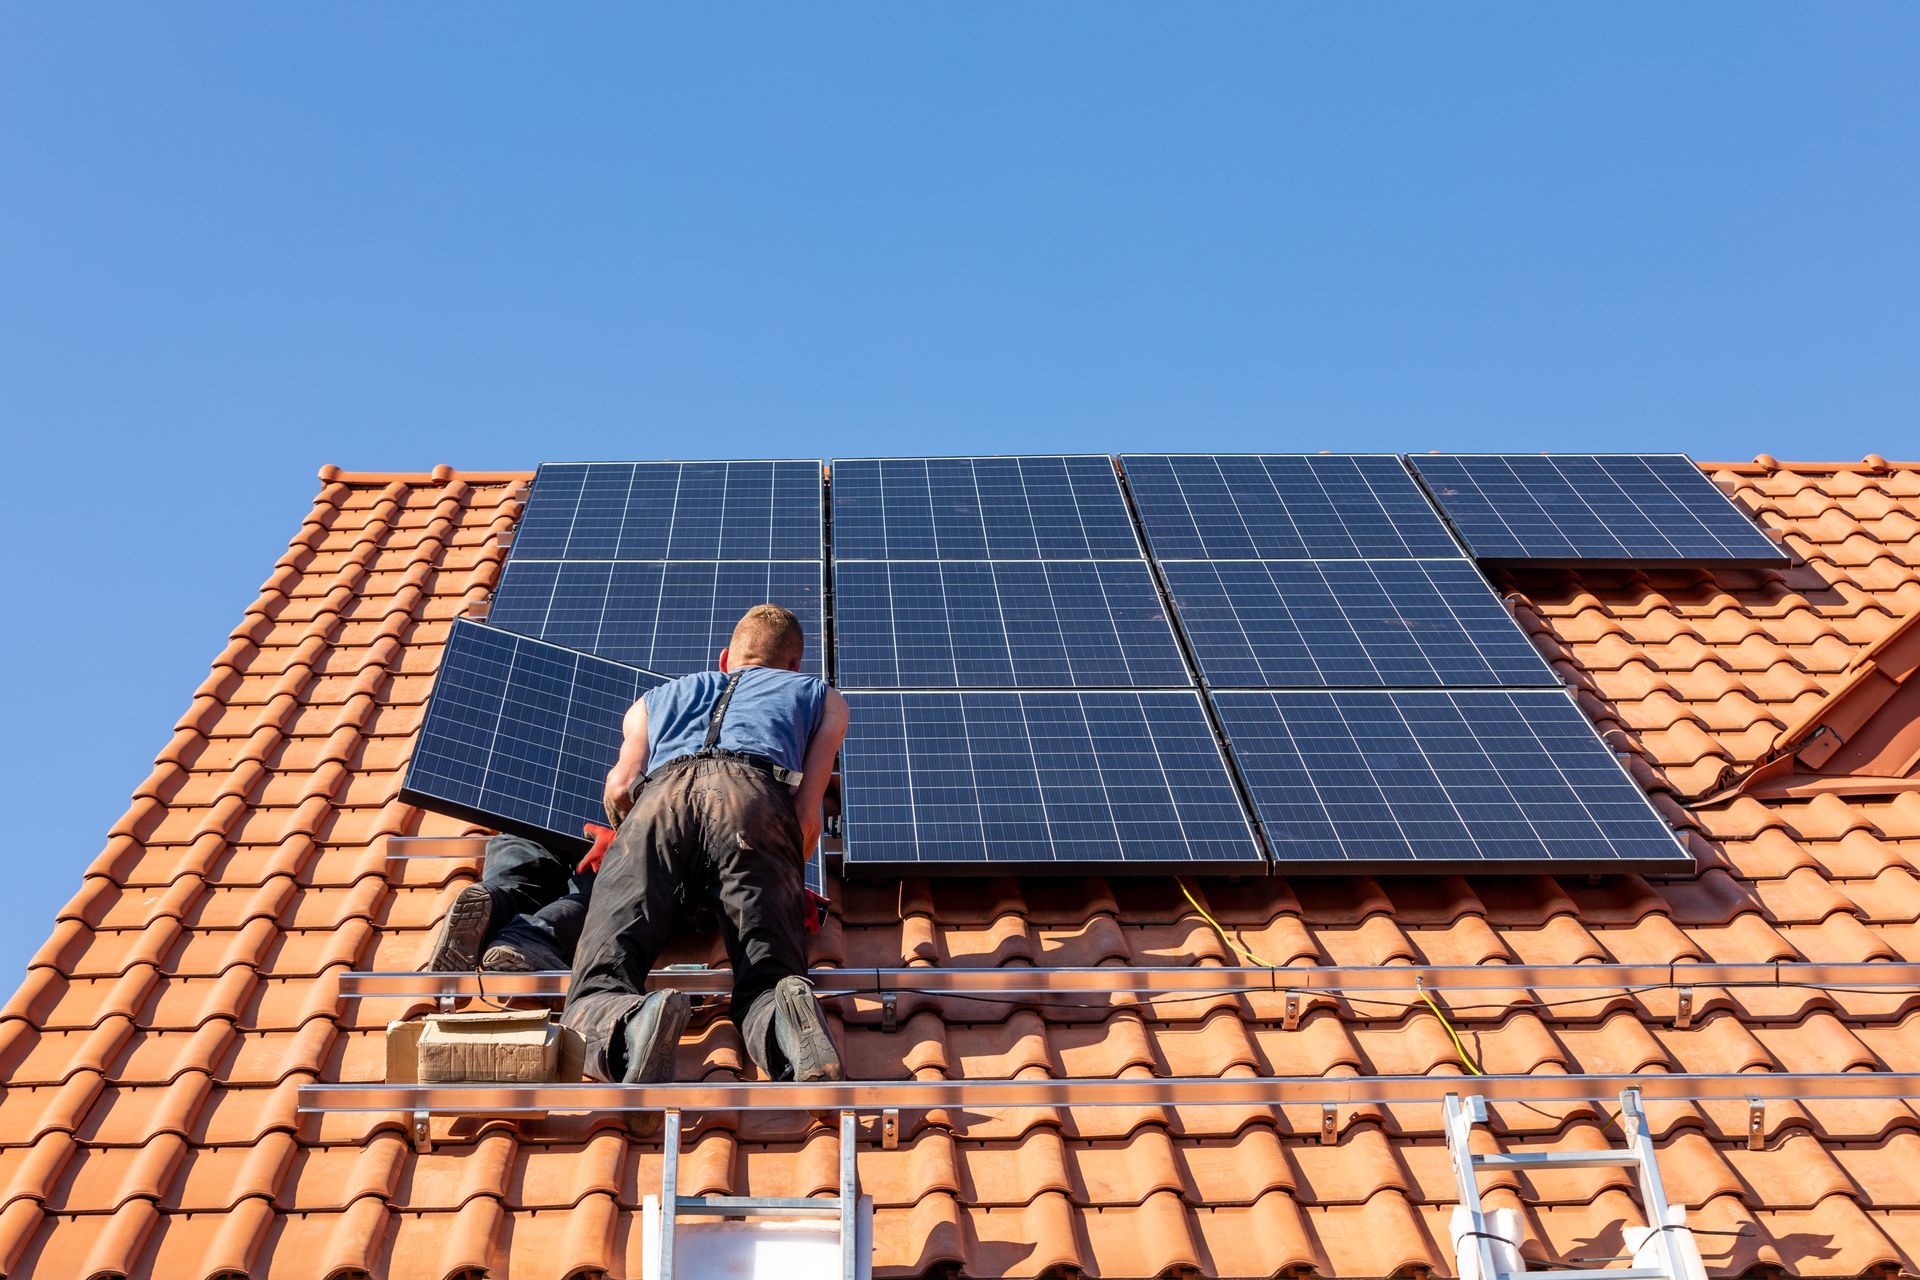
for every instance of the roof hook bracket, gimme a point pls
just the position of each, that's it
(422, 1133)
(1683, 1016)
(890, 1129)
(890, 1011)
(1292, 1012)
(1756, 1125)
(1329, 1125)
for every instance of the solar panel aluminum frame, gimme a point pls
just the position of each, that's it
(1139, 546)
(1448, 546)
(519, 541)
(1675, 858)
(1774, 556)
(1253, 861)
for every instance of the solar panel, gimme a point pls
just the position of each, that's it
(1006, 624)
(1398, 779)
(1349, 623)
(1053, 781)
(671, 617)
(1592, 507)
(519, 735)
(1283, 507)
(672, 511)
(1028, 508)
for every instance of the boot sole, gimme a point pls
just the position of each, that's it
(817, 1059)
(457, 950)
(659, 1033)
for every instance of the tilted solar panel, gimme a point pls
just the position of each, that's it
(1002, 624)
(1039, 782)
(1283, 507)
(1396, 779)
(519, 735)
(671, 617)
(1592, 507)
(672, 511)
(1024, 508)
(1349, 623)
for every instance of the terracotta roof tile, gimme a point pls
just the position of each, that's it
(192, 982)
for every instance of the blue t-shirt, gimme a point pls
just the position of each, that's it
(773, 714)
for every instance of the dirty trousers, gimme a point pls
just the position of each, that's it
(723, 832)
(539, 900)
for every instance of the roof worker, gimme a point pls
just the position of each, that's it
(718, 791)
(524, 915)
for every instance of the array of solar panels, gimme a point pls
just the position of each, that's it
(1066, 663)
(1381, 705)
(1018, 694)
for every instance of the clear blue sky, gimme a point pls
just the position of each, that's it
(238, 242)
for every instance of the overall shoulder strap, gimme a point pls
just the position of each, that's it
(720, 709)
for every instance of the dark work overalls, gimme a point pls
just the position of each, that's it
(716, 827)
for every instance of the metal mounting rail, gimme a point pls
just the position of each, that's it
(1115, 979)
(494, 1099)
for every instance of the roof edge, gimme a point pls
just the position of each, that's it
(442, 474)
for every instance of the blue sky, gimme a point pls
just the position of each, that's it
(238, 242)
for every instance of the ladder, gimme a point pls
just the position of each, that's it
(1638, 1155)
(844, 1207)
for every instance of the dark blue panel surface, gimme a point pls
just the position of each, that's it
(1038, 782)
(904, 624)
(520, 734)
(1349, 623)
(670, 617)
(1591, 507)
(1283, 507)
(1029, 508)
(1498, 779)
(672, 511)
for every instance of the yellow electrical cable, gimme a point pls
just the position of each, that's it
(1225, 937)
(1466, 1059)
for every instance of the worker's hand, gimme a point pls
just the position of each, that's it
(619, 805)
(809, 836)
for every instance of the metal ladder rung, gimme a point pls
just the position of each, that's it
(1559, 1160)
(761, 1206)
(1631, 1273)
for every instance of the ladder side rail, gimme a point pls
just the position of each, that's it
(1459, 1124)
(849, 1197)
(669, 1191)
(1653, 1190)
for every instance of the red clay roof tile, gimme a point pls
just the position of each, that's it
(192, 983)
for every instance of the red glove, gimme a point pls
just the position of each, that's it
(815, 912)
(601, 837)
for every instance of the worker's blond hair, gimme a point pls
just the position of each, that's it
(768, 634)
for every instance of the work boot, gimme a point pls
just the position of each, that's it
(786, 1035)
(648, 1040)
(521, 951)
(456, 949)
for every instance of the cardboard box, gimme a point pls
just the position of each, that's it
(519, 1046)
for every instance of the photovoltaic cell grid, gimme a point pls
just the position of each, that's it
(1402, 778)
(1002, 624)
(1031, 508)
(1283, 507)
(1592, 507)
(520, 734)
(671, 617)
(1039, 781)
(1349, 623)
(672, 511)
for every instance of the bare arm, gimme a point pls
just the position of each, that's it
(631, 764)
(818, 768)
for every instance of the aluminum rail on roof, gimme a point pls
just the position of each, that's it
(935, 980)
(1191, 1091)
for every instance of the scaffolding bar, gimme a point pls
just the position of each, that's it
(1259, 1091)
(1141, 980)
